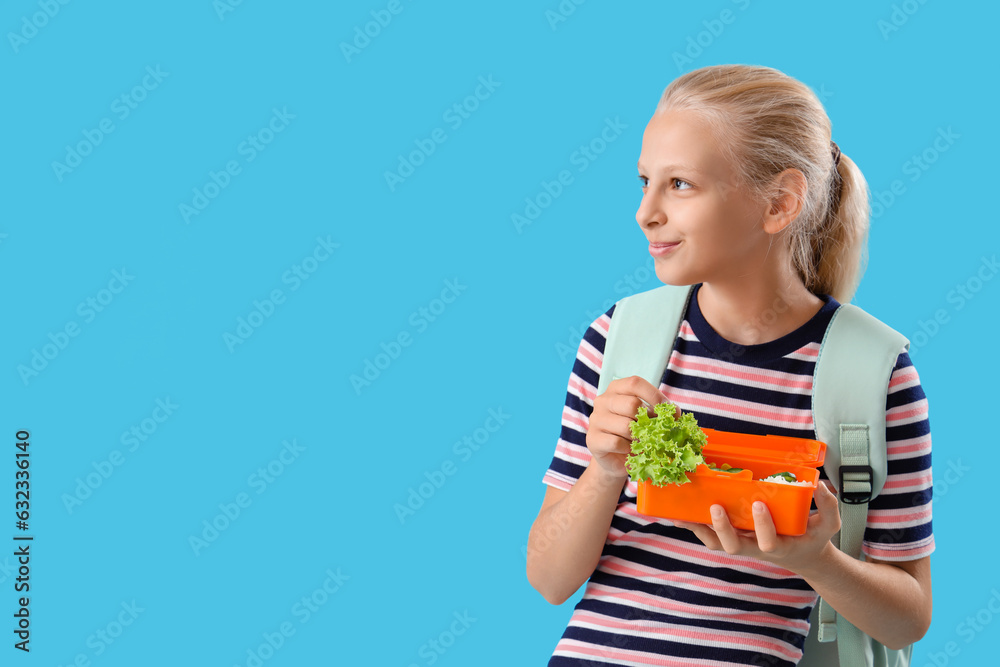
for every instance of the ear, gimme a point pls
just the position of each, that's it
(787, 205)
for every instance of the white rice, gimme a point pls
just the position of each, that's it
(778, 479)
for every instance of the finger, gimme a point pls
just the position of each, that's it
(826, 519)
(828, 508)
(601, 442)
(626, 405)
(763, 525)
(607, 444)
(728, 538)
(617, 426)
(642, 389)
(651, 395)
(703, 533)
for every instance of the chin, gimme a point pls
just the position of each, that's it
(671, 277)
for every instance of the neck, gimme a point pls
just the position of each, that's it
(751, 312)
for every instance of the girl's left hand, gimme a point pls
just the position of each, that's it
(792, 553)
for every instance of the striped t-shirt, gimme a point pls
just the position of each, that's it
(660, 597)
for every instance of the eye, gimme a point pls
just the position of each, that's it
(645, 183)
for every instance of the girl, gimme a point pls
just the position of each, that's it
(746, 197)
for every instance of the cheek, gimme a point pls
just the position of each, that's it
(727, 225)
(700, 212)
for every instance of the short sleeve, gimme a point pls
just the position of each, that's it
(899, 518)
(572, 457)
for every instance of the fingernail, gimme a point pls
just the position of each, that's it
(716, 510)
(758, 507)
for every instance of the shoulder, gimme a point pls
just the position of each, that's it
(654, 306)
(862, 344)
(848, 315)
(905, 392)
(893, 344)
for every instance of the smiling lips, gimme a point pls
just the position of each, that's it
(659, 249)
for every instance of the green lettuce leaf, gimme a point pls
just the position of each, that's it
(664, 449)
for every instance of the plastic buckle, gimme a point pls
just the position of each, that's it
(856, 497)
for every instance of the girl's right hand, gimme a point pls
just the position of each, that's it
(609, 437)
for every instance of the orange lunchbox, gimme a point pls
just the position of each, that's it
(760, 456)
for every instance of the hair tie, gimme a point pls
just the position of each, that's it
(837, 182)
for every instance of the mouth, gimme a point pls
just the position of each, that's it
(660, 249)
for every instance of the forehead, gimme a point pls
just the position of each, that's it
(684, 141)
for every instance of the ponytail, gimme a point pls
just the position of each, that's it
(837, 252)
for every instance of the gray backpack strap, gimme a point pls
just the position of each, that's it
(642, 333)
(850, 384)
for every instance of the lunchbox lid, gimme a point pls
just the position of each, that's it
(801, 451)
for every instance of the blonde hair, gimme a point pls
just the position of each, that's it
(765, 122)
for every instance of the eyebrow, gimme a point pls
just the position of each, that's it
(675, 167)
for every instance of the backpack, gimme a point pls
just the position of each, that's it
(855, 362)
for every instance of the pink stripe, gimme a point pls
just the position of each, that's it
(902, 554)
(575, 419)
(725, 591)
(809, 350)
(740, 375)
(712, 556)
(582, 388)
(593, 358)
(678, 631)
(665, 604)
(573, 451)
(908, 481)
(603, 323)
(888, 518)
(907, 449)
(903, 376)
(913, 412)
(570, 649)
(756, 411)
(560, 484)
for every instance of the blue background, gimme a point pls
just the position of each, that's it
(504, 343)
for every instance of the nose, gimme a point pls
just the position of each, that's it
(650, 213)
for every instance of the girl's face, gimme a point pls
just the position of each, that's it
(690, 199)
